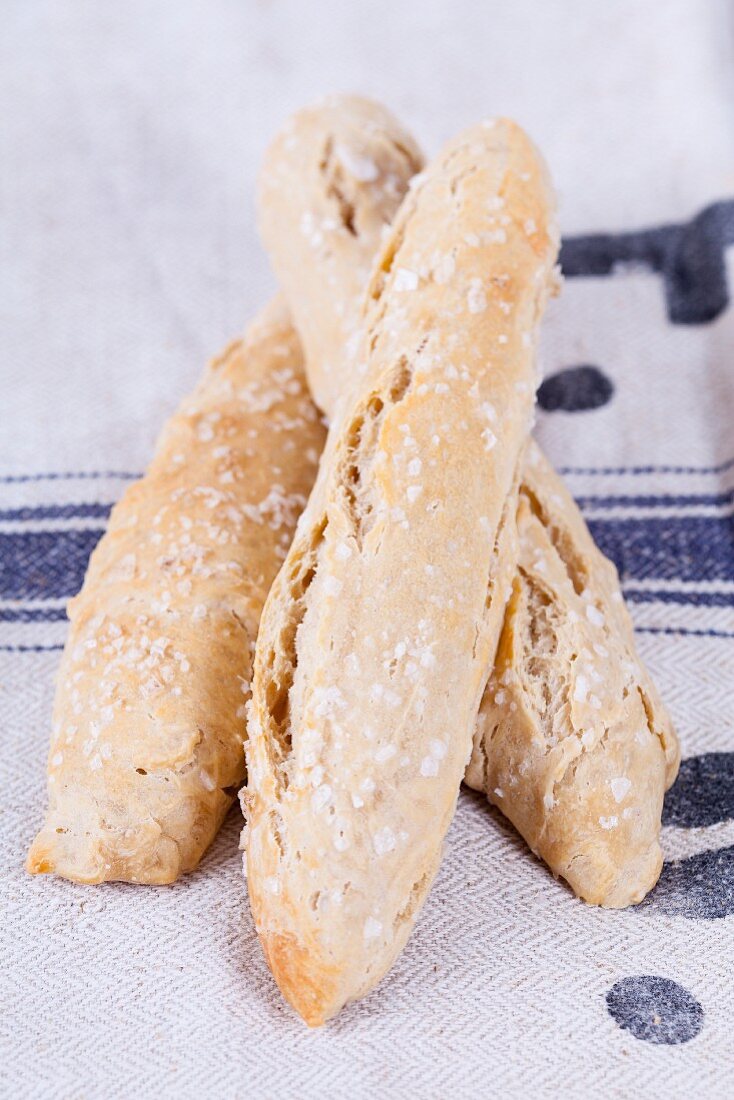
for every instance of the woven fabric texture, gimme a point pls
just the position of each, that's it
(129, 142)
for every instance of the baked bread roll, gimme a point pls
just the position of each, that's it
(378, 635)
(146, 754)
(578, 764)
(573, 743)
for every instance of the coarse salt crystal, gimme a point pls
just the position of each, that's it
(372, 928)
(405, 279)
(580, 689)
(476, 298)
(332, 586)
(383, 841)
(620, 787)
(361, 167)
(321, 797)
(429, 766)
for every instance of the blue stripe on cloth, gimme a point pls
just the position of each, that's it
(641, 470)
(692, 599)
(51, 564)
(78, 475)
(44, 564)
(29, 648)
(684, 631)
(55, 511)
(126, 475)
(686, 548)
(32, 615)
(100, 510)
(660, 500)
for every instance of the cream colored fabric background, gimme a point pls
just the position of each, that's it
(130, 136)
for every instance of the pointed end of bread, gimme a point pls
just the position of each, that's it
(39, 860)
(307, 985)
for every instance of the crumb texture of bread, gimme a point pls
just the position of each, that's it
(573, 743)
(149, 717)
(608, 852)
(379, 632)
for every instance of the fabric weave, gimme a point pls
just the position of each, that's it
(129, 141)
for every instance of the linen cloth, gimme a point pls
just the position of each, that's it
(129, 141)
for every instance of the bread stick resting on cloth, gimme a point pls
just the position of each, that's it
(146, 754)
(378, 635)
(572, 742)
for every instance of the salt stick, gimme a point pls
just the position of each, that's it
(149, 718)
(368, 674)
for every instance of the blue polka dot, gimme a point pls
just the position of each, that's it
(700, 887)
(703, 793)
(576, 389)
(655, 1010)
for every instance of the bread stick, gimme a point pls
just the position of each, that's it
(146, 755)
(572, 743)
(378, 635)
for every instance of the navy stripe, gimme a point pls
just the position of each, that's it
(686, 548)
(29, 648)
(32, 615)
(101, 510)
(84, 475)
(661, 500)
(92, 475)
(682, 630)
(51, 564)
(693, 599)
(56, 511)
(44, 564)
(639, 470)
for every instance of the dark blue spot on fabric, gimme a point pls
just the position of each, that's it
(576, 389)
(699, 888)
(703, 793)
(689, 256)
(654, 1009)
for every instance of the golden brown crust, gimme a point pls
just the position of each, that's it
(146, 755)
(378, 634)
